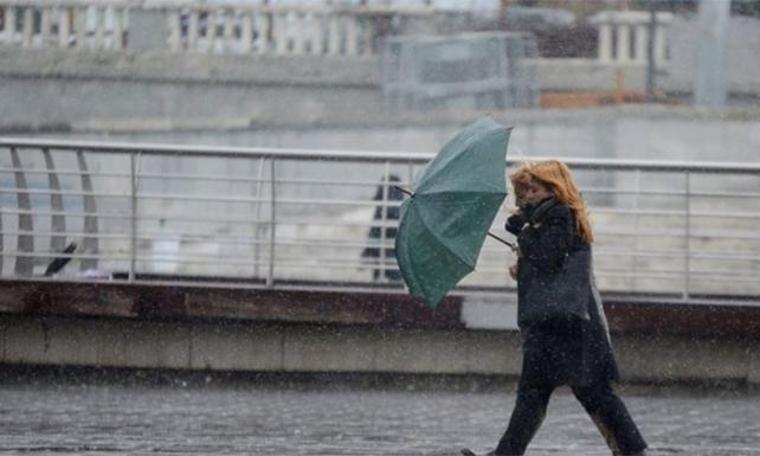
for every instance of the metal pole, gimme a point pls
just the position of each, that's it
(687, 266)
(132, 216)
(383, 219)
(637, 206)
(257, 214)
(710, 78)
(651, 65)
(272, 222)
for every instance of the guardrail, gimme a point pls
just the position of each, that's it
(219, 27)
(266, 217)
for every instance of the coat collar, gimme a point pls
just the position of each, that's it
(542, 208)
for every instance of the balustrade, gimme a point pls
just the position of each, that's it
(234, 28)
(624, 36)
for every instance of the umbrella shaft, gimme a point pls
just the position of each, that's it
(403, 190)
(503, 241)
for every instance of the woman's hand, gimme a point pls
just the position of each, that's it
(516, 222)
(513, 271)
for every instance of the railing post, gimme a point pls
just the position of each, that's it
(368, 34)
(228, 46)
(299, 32)
(174, 24)
(637, 216)
(64, 27)
(117, 32)
(80, 25)
(99, 15)
(687, 265)
(246, 32)
(280, 26)
(28, 26)
(383, 221)
(318, 33)
(334, 25)
(10, 25)
(257, 216)
(623, 33)
(192, 30)
(45, 25)
(352, 35)
(272, 221)
(132, 216)
(265, 27)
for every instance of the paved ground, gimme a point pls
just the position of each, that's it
(108, 419)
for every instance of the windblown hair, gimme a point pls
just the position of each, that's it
(559, 179)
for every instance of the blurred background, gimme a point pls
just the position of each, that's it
(673, 80)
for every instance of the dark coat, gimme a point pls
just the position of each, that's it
(561, 350)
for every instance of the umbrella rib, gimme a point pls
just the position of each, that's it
(457, 192)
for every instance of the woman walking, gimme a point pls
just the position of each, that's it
(565, 339)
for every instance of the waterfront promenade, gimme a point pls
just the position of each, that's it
(246, 419)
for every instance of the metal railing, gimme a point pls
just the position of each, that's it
(265, 217)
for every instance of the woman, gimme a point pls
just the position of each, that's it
(564, 331)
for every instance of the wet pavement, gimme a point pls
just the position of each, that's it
(105, 419)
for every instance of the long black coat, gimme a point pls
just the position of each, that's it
(557, 351)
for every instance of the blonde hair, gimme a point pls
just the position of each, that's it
(556, 176)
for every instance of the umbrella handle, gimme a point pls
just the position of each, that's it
(503, 241)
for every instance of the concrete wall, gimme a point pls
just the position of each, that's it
(278, 330)
(254, 346)
(161, 90)
(154, 90)
(269, 347)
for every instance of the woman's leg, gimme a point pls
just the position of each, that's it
(527, 416)
(612, 418)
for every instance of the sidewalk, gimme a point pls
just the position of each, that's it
(252, 419)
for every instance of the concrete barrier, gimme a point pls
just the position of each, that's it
(650, 346)
(271, 347)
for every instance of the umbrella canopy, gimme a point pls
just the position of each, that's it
(454, 200)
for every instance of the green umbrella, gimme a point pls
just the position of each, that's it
(453, 202)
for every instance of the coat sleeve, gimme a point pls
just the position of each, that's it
(547, 244)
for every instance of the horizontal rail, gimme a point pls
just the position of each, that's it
(705, 167)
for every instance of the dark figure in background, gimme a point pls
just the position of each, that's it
(565, 337)
(390, 214)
